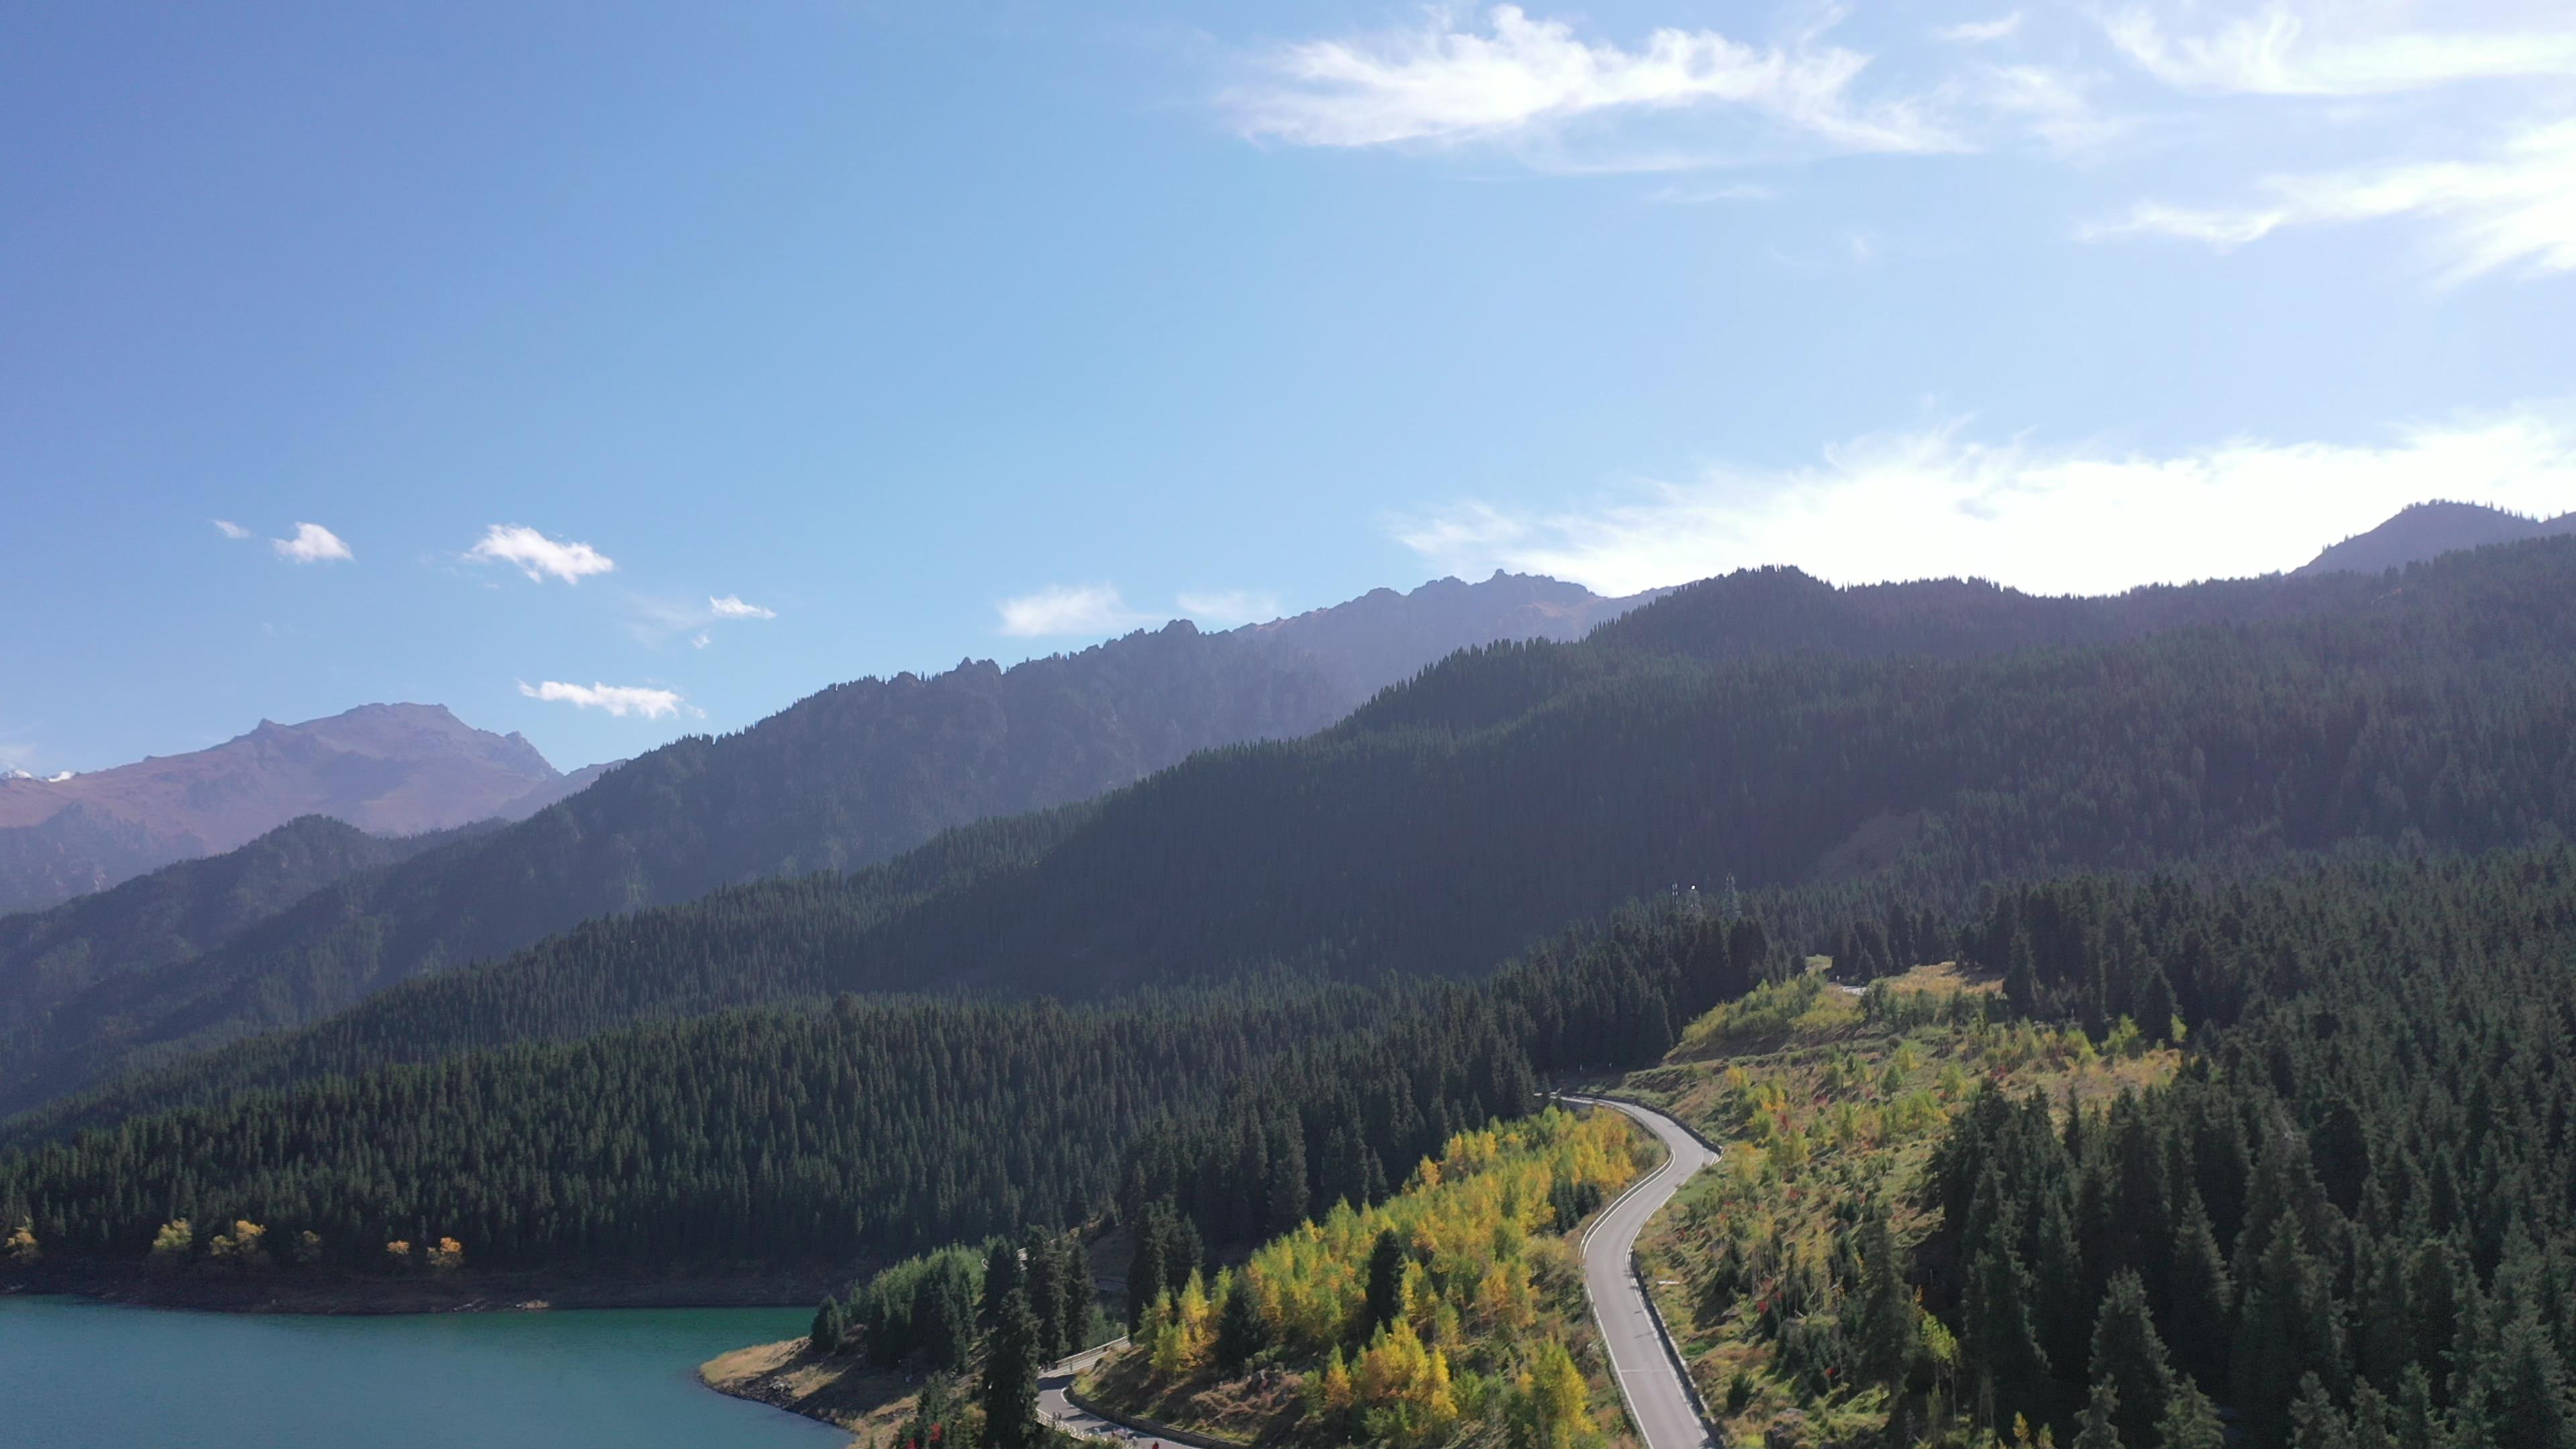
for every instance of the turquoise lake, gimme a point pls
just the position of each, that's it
(81, 1375)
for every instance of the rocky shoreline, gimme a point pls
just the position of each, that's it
(840, 1392)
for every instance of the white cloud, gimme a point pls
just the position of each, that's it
(701, 639)
(1061, 609)
(1934, 501)
(228, 528)
(1979, 32)
(620, 700)
(1227, 609)
(312, 543)
(2340, 48)
(2515, 209)
(537, 556)
(731, 606)
(1445, 81)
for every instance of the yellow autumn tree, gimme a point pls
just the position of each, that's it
(1404, 1388)
(398, 1253)
(447, 1255)
(174, 1240)
(241, 1245)
(21, 1246)
(1554, 1405)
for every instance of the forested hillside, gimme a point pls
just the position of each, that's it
(867, 1127)
(2348, 1218)
(1516, 788)
(178, 912)
(843, 779)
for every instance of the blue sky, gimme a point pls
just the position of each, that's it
(610, 372)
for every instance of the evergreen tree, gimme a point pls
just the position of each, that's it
(2198, 1296)
(1287, 1170)
(1146, 1283)
(1009, 1394)
(1888, 1336)
(1004, 1274)
(1385, 1282)
(2129, 1357)
(2526, 1391)
(2005, 1360)
(2286, 1332)
(2314, 1422)
(2189, 1421)
(1240, 1332)
(2099, 1428)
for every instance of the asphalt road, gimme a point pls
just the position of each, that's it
(1056, 1409)
(1648, 1377)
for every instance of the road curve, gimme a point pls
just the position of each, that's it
(1059, 1410)
(1648, 1378)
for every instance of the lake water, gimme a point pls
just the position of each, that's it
(81, 1375)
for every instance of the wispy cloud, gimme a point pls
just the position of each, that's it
(538, 556)
(1229, 608)
(1447, 81)
(731, 606)
(1979, 32)
(2338, 48)
(620, 700)
(1935, 501)
(2515, 209)
(312, 543)
(1061, 609)
(228, 528)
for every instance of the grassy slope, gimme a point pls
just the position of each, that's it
(1822, 1104)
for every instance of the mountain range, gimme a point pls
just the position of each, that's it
(1855, 769)
(861, 773)
(387, 769)
(842, 779)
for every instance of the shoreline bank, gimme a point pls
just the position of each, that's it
(467, 1291)
(840, 1392)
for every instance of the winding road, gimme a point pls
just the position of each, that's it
(1650, 1379)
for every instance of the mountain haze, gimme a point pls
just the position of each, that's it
(388, 769)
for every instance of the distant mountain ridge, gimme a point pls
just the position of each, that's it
(2422, 531)
(387, 769)
(847, 777)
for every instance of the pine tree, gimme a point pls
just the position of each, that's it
(2314, 1422)
(1240, 1333)
(2129, 1357)
(1145, 1280)
(2190, 1421)
(1287, 1185)
(2526, 1390)
(1888, 1338)
(1010, 1389)
(1385, 1281)
(2198, 1295)
(2286, 1332)
(2099, 1428)
(2004, 1355)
